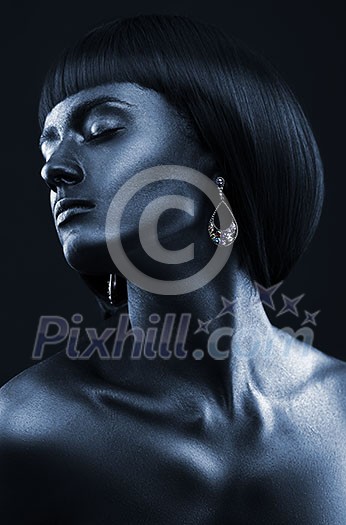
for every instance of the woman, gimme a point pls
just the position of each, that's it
(251, 433)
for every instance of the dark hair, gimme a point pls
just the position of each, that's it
(242, 110)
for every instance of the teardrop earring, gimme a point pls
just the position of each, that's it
(229, 235)
(116, 290)
(111, 283)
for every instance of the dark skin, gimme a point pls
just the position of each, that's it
(255, 438)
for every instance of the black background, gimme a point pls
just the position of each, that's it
(304, 40)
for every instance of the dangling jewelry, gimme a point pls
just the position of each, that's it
(111, 280)
(227, 236)
(120, 287)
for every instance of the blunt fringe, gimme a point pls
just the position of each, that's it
(242, 110)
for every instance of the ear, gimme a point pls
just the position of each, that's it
(208, 165)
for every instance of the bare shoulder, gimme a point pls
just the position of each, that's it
(313, 393)
(322, 405)
(315, 384)
(36, 407)
(35, 400)
(306, 393)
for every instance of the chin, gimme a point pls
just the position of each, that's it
(87, 256)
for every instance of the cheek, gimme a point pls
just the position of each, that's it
(146, 142)
(143, 148)
(112, 164)
(122, 157)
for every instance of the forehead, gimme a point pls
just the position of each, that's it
(124, 94)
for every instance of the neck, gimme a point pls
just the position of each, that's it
(231, 304)
(204, 304)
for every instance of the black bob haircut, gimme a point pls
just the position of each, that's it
(242, 110)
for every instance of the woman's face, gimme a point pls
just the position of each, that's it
(93, 142)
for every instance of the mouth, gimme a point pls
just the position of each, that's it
(66, 208)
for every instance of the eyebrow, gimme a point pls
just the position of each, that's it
(80, 111)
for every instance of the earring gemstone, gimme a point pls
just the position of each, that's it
(220, 182)
(222, 237)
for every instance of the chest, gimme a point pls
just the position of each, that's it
(136, 460)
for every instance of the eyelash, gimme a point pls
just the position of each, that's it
(107, 133)
(103, 135)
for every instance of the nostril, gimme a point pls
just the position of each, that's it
(63, 176)
(55, 174)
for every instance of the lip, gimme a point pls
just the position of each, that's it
(66, 208)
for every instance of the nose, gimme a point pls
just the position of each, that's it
(60, 170)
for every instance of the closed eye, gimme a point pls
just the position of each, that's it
(103, 134)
